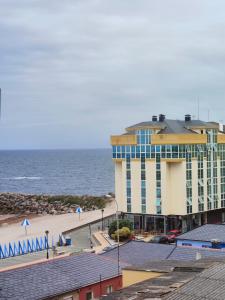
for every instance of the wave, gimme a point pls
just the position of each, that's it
(23, 178)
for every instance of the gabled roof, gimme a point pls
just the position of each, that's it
(138, 253)
(55, 277)
(188, 253)
(172, 278)
(210, 284)
(205, 233)
(174, 126)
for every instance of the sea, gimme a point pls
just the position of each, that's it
(57, 172)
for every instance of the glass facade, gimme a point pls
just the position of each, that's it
(128, 179)
(189, 181)
(222, 173)
(158, 185)
(144, 136)
(150, 151)
(212, 180)
(200, 180)
(206, 155)
(143, 186)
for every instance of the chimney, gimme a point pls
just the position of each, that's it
(221, 127)
(162, 118)
(154, 118)
(187, 118)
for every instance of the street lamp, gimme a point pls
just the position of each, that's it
(102, 218)
(46, 233)
(118, 236)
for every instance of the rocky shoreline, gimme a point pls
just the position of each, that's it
(24, 204)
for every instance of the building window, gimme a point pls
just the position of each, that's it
(212, 182)
(68, 298)
(158, 185)
(144, 136)
(109, 289)
(143, 186)
(128, 181)
(189, 182)
(222, 173)
(89, 296)
(200, 180)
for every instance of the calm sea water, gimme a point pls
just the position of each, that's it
(57, 172)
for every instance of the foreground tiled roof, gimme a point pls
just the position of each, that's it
(189, 253)
(154, 288)
(206, 232)
(210, 284)
(137, 253)
(55, 277)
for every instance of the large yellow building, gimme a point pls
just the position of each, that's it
(170, 173)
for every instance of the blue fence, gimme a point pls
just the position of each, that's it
(28, 246)
(23, 247)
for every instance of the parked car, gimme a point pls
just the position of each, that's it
(171, 235)
(160, 239)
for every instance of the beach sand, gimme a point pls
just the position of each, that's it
(56, 224)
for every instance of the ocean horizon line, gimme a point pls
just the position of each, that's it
(54, 149)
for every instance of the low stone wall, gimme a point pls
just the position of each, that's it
(12, 203)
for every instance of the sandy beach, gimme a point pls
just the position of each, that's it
(55, 224)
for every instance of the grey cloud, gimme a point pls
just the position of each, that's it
(72, 69)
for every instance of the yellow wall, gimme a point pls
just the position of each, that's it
(173, 188)
(132, 276)
(150, 186)
(178, 139)
(123, 140)
(221, 138)
(119, 184)
(136, 186)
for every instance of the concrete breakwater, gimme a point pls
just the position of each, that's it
(14, 203)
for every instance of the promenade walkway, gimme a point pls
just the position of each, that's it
(56, 224)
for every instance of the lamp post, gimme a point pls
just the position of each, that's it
(118, 237)
(102, 218)
(46, 233)
(91, 243)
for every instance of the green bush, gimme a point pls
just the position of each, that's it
(86, 202)
(124, 234)
(122, 223)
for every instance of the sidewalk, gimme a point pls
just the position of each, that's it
(56, 224)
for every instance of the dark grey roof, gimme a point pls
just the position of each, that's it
(155, 288)
(206, 232)
(175, 126)
(210, 284)
(138, 253)
(170, 265)
(55, 277)
(189, 253)
(179, 283)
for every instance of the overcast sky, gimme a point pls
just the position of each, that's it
(73, 72)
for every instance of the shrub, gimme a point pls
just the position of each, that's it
(122, 223)
(86, 202)
(124, 234)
